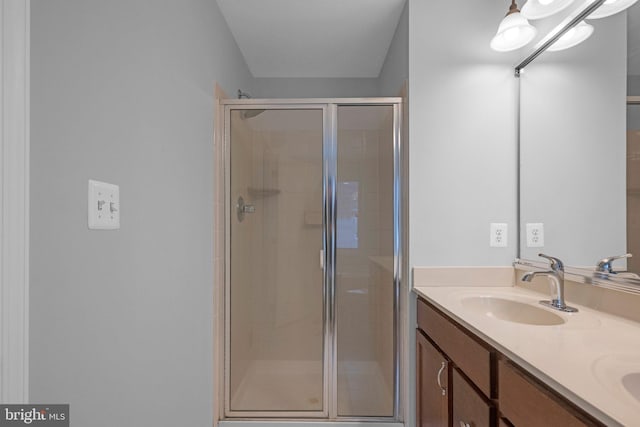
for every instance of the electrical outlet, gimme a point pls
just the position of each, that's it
(535, 235)
(498, 235)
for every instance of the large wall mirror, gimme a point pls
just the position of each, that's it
(580, 149)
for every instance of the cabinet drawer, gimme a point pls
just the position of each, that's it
(525, 403)
(469, 408)
(473, 358)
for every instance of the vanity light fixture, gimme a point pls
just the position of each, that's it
(538, 9)
(611, 7)
(573, 37)
(573, 20)
(514, 31)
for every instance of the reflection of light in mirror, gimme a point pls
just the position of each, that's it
(573, 37)
(611, 7)
(513, 33)
(538, 9)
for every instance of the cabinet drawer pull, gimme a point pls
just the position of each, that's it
(463, 424)
(442, 368)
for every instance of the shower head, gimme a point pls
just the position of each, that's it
(242, 94)
(248, 114)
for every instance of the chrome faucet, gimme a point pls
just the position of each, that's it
(605, 264)
(556, 277)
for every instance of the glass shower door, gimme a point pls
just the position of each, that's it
(276, 311)
(364, 285)
(312, 260)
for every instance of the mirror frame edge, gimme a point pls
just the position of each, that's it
(580, 275)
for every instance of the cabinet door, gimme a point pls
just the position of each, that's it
(525, 403)
(469, 408)
(432, 385)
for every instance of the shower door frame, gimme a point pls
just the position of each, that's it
(329, 108)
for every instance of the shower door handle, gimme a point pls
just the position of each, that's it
(242, 208)
(321, 259)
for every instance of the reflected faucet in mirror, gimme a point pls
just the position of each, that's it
(605, 265)
(605, 268)
(556, 277)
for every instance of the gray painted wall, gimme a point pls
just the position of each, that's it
(121, 321)
(109, 107)
(395, 69)
(462, 133)
(573, 131)
(633, 85)
(315, 88)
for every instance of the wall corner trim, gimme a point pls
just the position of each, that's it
(14, 199)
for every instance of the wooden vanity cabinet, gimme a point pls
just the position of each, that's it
(464, 368)
(466, 351)
(482, 387)
(527, 403)
(469, 408)
(432, 385)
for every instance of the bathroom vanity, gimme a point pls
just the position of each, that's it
(462, 378)
(494, 356)
(487, 352)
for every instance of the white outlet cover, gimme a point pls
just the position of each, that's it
(498, 235)
(535, 235)
(104, 206)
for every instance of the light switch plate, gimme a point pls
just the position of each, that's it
(104, 206)
(498, 235)
(535, 234)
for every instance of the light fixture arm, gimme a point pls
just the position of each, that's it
(575, 21)
(513, 8)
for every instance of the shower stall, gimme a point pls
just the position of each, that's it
(313, 260)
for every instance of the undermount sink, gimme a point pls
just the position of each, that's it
(619, 374)
(512, 311)
(631, 383)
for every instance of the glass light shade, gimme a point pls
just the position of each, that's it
(538, 9)
(573, 37)
(513, 33)
(611, 7)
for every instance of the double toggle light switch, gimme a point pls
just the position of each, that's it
(104, 206)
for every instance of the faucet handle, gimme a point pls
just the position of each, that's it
(556, 264)
(604, 265)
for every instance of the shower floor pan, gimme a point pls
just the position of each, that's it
(291, 385)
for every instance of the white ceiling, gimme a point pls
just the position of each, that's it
(313, 38)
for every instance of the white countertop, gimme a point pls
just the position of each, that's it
(584, 359)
